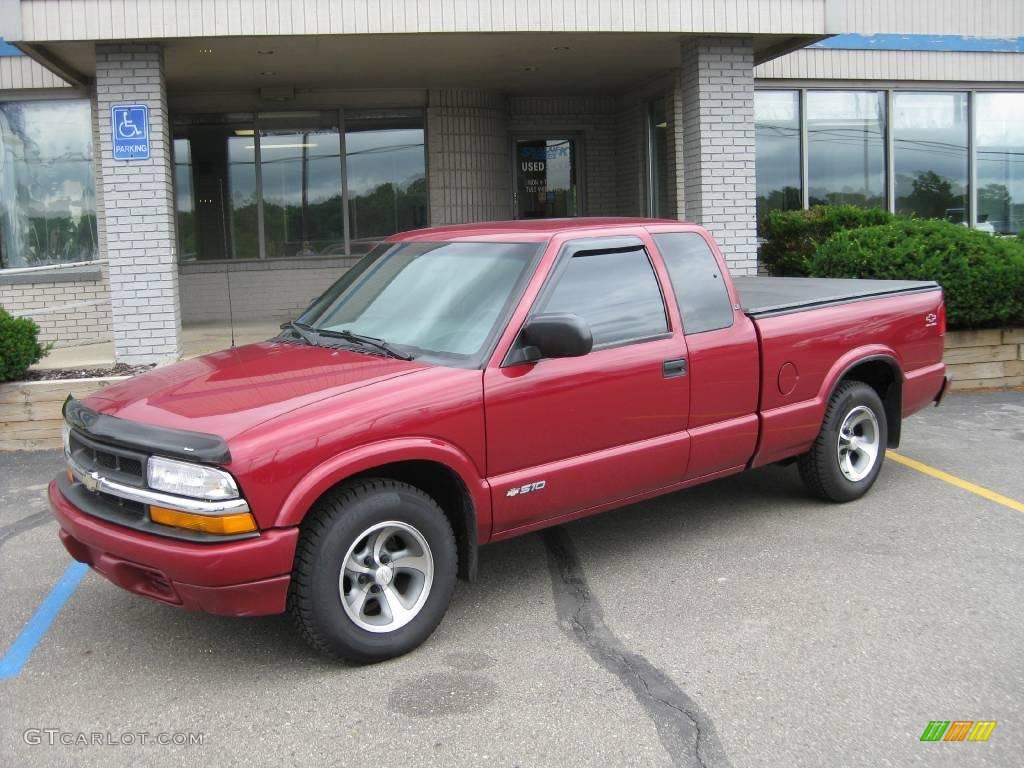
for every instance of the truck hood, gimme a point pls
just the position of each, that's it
(228, 392)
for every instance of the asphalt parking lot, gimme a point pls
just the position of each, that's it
(736, 624)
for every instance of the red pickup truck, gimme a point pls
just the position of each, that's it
(462, 385)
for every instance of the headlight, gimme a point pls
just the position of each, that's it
(193, 480)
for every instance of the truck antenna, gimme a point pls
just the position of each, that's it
(227, 264)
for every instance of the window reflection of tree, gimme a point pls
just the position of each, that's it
(778, 168)
(302, 210)
(925, 191)
(299, 216)
(389, 206)
(1000, 174)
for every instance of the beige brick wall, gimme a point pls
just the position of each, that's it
(631, 147)
(676, 187)
(468, 157)
(596, 118)
(469, 139)
(68, 312)
(630, 158)
(274, 289)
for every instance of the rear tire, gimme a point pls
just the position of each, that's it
(374, 571)
(848, 453)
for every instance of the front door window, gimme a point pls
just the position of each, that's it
(547, 178)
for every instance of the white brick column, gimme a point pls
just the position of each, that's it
(468, 157)
(717, 188)
(137, 221)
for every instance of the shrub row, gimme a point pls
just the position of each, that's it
(19, 345)
(982, 275)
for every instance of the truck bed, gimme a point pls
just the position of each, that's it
(770, 296)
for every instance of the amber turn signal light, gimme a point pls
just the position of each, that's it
(224, 525)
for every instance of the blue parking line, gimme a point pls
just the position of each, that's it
(14, 660)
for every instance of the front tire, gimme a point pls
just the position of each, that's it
(848, 453)
(374, 571)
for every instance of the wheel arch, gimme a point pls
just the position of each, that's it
(444, 486)
(438, 469)
(882, 372)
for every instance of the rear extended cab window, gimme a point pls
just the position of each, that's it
(697, 281)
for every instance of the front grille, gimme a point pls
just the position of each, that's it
(120, 464)
(123, 511)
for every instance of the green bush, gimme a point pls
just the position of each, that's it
(791, 237)
(982, 275)
(19, 347)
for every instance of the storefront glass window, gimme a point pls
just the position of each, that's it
(241, 197)
(47, 189)
(215, 188)
(1000, 141)
(930, 154)
(302, 210)
(777, 127)
(270, 185)
(846, 147)
(184, 200)
(387, 185)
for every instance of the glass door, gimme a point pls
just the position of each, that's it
(547, 177)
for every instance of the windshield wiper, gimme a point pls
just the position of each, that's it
(303, 331)
(312, 336)
(367, 341)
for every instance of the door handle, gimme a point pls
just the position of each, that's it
(671, 369)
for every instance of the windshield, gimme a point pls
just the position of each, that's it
(443, 298)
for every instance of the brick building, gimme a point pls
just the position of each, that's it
(285, 138)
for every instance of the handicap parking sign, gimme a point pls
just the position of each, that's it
(130, 124)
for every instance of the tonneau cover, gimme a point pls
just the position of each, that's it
(767, 296)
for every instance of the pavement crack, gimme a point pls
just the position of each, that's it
(24, 524)
(684, 730)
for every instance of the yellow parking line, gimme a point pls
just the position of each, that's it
(985, 493)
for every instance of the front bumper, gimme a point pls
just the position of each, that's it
(248, 577)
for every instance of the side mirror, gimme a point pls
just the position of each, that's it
(552, 336)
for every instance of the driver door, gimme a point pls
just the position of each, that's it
(568, 436)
